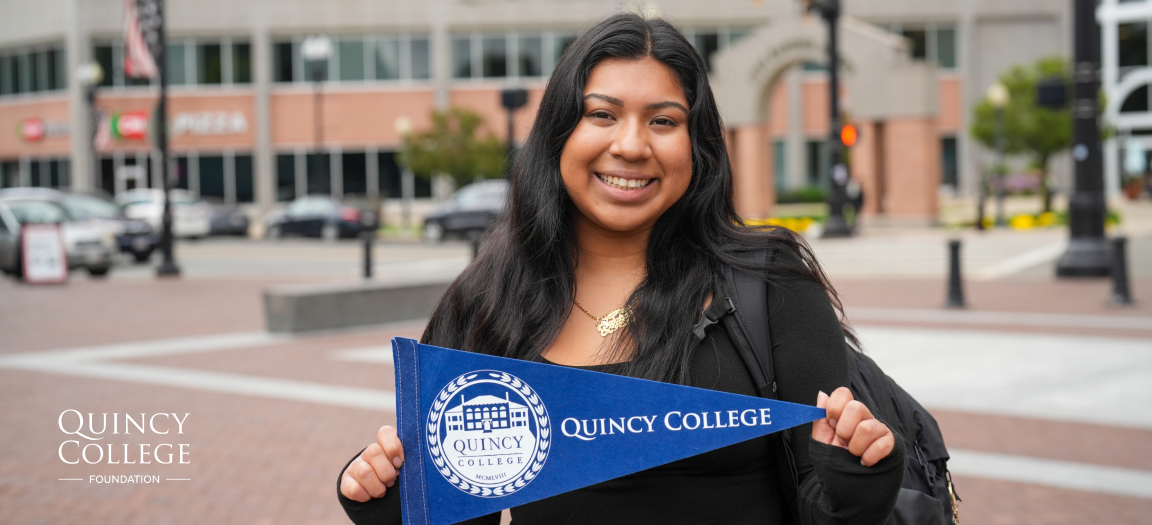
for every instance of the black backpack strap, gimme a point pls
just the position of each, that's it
(748, 326)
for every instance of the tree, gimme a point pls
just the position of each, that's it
(452, 148)
(1031, 130)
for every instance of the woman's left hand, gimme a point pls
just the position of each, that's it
(849, 424)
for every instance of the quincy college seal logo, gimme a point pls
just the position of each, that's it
(488, 433)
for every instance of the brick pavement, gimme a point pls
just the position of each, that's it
(266, 460)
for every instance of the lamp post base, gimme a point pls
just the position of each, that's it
(1085, 258)
(837, 226)
(168, 269)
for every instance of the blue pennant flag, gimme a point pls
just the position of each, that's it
(483, 433)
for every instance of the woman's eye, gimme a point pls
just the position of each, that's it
(664, 122)
(600, 115)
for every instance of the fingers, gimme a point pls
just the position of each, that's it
(880, 448)
(388, 440)
(363, 475)
(836, 403)
(822, 431)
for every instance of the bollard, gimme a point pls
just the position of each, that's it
(367, 236)
(955, 286)
(1121, 294)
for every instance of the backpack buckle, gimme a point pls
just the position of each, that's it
(712, 315)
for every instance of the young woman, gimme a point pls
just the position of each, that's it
(622, 202)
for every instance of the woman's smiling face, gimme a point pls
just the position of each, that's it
(630, 157)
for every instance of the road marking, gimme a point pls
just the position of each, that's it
(1051, 473)
(1019, 263)
(999, 318)
(287, 389)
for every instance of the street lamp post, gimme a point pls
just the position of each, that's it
(997, 96)
(1088, 253)
(837, 225)
(316, 50)
(512, 99)
(90, 75)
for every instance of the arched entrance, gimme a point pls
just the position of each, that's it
(890, 97)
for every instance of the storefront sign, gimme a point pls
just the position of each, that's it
(131, 125)
(36, 129)
(209, 123)
(484, 433)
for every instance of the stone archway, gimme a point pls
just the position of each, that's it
(890, 97)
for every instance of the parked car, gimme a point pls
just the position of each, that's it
(86, 245)
(321, 216)
(226, 219)
(133, 236)
(468, 213)
(190, 216)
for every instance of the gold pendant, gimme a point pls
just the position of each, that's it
(614, 320)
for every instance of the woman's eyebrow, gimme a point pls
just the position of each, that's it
(650, 107)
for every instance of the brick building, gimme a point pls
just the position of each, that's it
(247, 125)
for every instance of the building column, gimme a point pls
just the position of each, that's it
(441, 52)
(911, 153)
(969, 174)
(794, 146)
(264, 157)
(78, 50)
(753, 184)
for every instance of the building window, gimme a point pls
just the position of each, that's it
(931, 42)
(779, 164)
(319, 174)
(949, 161)
(354, 173)
(285, 177)
(350, 54)
(245, 179)
(34, 69)
(507, 55)
(1137, 101)
(387, 59)
(356, 58)
(1133, 44)
(461, 57)
(187, 62)
(209, 65)
(708, 41)
(494, 57)
(817, 165)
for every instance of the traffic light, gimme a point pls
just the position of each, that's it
(849, 134)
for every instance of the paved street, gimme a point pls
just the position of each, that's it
(1038, 385)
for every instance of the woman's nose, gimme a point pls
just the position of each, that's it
(630, 142)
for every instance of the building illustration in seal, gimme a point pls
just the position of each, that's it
(485, 414)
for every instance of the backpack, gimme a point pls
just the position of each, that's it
(927, 496)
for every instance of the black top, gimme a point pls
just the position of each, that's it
(739, 483)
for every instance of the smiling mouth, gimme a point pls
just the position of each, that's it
(624, 184)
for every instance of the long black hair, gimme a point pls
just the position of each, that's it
(516, 295)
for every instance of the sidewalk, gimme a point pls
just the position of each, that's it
(1029, 385)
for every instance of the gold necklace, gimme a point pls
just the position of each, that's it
(611, 321)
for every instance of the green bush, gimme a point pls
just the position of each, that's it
(805, 194)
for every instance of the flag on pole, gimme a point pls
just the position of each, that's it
(484, 433)
(138, 59)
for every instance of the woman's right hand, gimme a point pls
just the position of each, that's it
(374, 472)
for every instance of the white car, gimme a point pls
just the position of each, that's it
(191, 217)
(86, 245)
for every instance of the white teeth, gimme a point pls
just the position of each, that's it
(622, 183)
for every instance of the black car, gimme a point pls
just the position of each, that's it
(468, 213)
(322, 216)
(226, 220)
(133, 236)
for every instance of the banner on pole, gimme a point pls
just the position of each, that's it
(483, 433)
